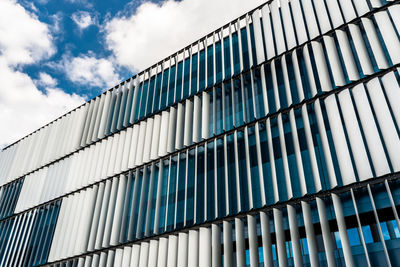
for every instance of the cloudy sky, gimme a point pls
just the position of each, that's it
(54, 55)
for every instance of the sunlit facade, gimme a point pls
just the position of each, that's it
(272, 141)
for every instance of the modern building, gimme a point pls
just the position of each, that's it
(272, 141)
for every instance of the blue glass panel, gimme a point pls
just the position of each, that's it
(219, 127)
(258, 97)
(164, 90)
(179, 79)
(220, 190)
(191, 172)
(211, 114)
(110, 115)
(245, 49)
(305, 154)
(153, 192)
(171, 193)
(227, 58)
(266, 164)
(144, 198)
(163, 196)
(200, 185)
(150, 100)
(202, 71)
(236, 53)
(294, 91)
(270, 89)
(280, 172)
(238, 98)
(281, 84)
(171, 86)
(244, 192)
(231, 175)
(38, 244)
(253, 44)
(9, 197)
(248, 97)
(303, 73)
(291, 157)
(186, 79)
(323, 172)
(255, 177)
(331, 144)
(210, 187)
(314, 69)
(218, 62)
(193, 86)
(180, 210)
(228, 112)
(136, 205)
(157, 93)
(210, 66)
(143, 100)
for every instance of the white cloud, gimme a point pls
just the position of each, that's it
(158, 30)
(24, 38)
(23, 107)
(89, 70)
(83, 19)
(46, 80)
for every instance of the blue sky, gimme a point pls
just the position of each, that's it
(55, 55)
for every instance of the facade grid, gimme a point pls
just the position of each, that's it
(272, 141)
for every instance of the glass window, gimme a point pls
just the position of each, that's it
(232, 187)
(144, 200)
(270, 89)
(279, 167)
(248, 97)
(266, 164)
(179, 79)
(236, 53)
(171, 86)
(258, 97)
(305, 154)
(255, 177)
(191, 172)
(152, 205)
(163, 194)
(245, 49)
(171, 193)
(244, 193)
(202, 71)
(164, 91)
(210, 66)
(227, 58)
(319, 152)
(194, 74)
(228, 112)
(238, 98)
(150, 97)
(186, 79)
(157, 93)
(281, 84)
(200, 185)
(303, 74)
(210, 182)
(181, 191)
(292, 80)
(219, 128)
(143, 100)
(220, 190)
(218, 61)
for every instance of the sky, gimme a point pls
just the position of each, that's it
(55, 55)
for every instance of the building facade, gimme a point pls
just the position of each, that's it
(272, 141)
